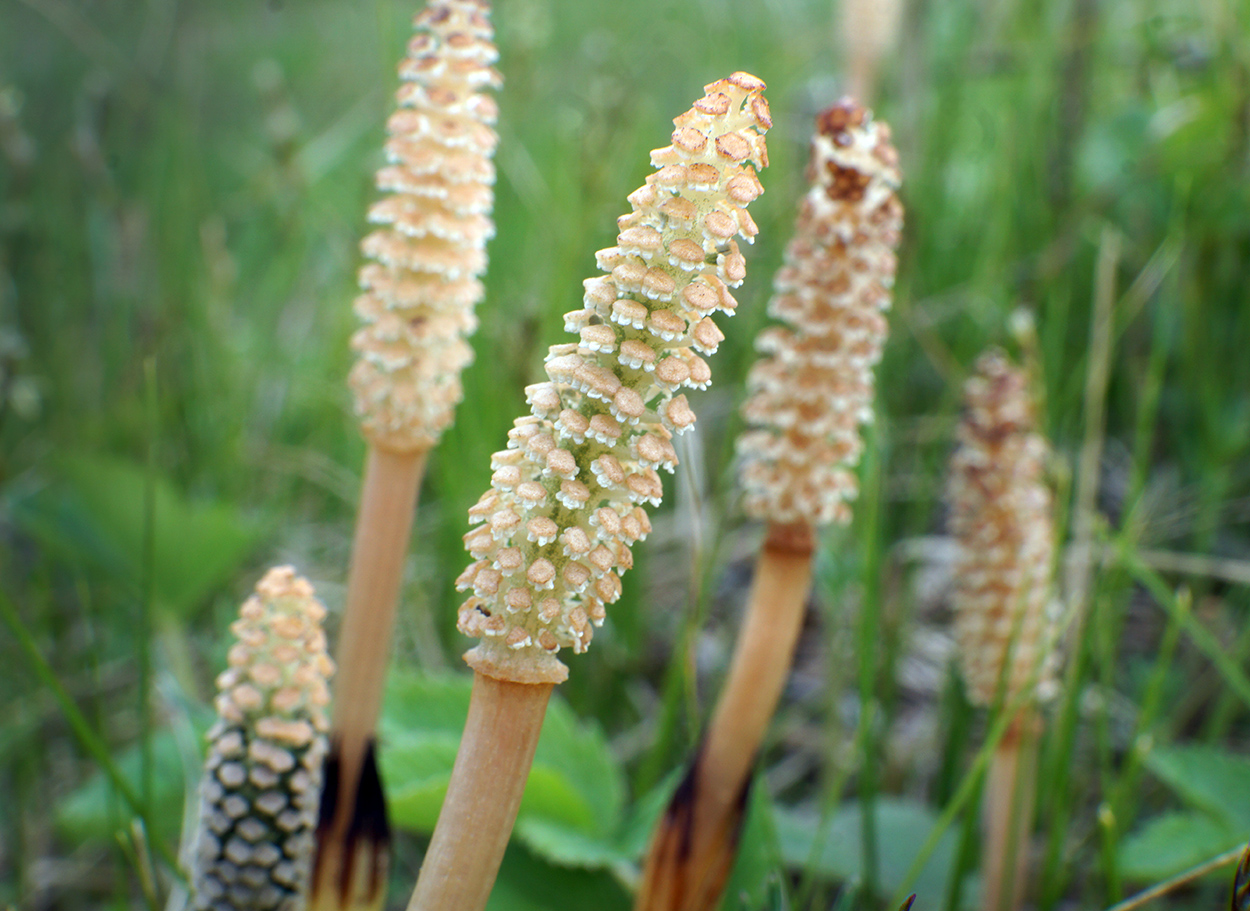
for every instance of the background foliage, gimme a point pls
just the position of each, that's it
(182, 187)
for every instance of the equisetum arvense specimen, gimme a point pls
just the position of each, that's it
(566, 501)
(262, 779)
(554, 532)
(808, 397)
(1001, 517)
(1005, 618)
(812, 389)
(419, 289)
(426, 259)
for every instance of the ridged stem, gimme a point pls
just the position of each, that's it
(1008, 814)
(483, 796)
(693, 848)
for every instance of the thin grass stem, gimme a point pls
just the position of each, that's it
(80, 727)
(1180, 879)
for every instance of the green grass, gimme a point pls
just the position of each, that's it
(183, 186)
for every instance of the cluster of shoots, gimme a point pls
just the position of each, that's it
(553, 536)
(262, 781)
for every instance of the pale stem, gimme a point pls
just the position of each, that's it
(483, 796)
(1008, 814)
(387, 503)
(757, 674)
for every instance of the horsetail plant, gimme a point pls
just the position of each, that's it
(808, 397)
(419, 289)
(554, 532)
(1006, 625)
(262, 779)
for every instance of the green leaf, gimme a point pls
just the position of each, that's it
(1207, 778)
(572, 806)
(1174, 842)
(902, 826)
(96, 515)
(568, 847)
(527, 883)
(416, 769)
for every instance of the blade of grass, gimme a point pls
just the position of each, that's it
(969, 787)
(1180, 879)
(80, 727)
(1178, 607)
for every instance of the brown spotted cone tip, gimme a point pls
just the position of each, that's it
(1001, 517)
(554, 531)
(422, 281)
(262, 779)
(812, 390)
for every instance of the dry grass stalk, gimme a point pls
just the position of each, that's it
(809, 396)
(1005, 620)
(262, 779)
(554, 531)
(418, 294)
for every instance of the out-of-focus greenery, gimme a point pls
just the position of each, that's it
(182, 188)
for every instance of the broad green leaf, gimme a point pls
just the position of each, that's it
(1174, 842)
(527, 883)
(902, 827)
(416, 769)
(1207, 778)
(572, 806)
(95, 514)
(567, 846)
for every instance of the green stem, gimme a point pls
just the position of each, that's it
(1178, 608)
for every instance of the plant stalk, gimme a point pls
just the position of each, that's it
(1008, 813)
(483, 796)
(383, 526)
(694, 845)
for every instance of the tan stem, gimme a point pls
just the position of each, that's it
(383, 525)
(693, 848)
(1008, 814)
(483, 796)
(388, 502)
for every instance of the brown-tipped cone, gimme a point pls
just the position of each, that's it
(1005, 618)
(808, 397)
